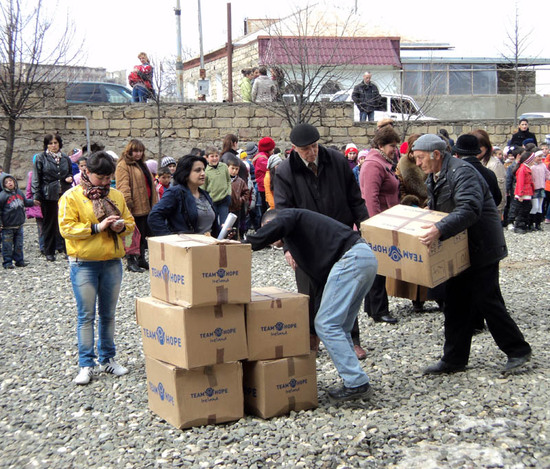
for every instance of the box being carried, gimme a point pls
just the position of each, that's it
(277, 324)
(201, 396)
(191, 337)
(198, 270)
(393, 237)
(275, 387)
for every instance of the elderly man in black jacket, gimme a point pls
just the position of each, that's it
(454, 186)
(318, 179)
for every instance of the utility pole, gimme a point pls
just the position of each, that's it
(179, 62)
(203, 82)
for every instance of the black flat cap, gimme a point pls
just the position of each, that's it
(303, 135)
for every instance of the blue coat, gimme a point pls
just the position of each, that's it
(176, 212)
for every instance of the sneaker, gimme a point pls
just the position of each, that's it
(511, 227)
(85, 375)
(111, 366)
(9, 266)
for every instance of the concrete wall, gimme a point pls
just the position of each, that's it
(185, 126)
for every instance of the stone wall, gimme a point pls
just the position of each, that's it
(185, 126)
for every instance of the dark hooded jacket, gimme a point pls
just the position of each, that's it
(12, 205)
(463, 193)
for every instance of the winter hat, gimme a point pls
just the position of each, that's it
(243, 155)
(384, 122)
(273, 161)
(167, 160)
(251, 149)
(266, 144)
(529, 160)
(466, 145)
(303, 135)
(112, 154)
(152, 165)
(350, 147)
(539, 153)
(404, 148)
(429, 142)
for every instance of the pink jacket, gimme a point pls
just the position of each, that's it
(540, 174)
(34, 211)
(378, 182)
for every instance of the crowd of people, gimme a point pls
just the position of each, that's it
(96, 208)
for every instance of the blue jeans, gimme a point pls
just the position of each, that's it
(366, 116)
(222, 209)
(348, 282)
(139, 94)
(96, 282)
(12, 246)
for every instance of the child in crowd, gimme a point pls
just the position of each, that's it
(351, 153)
(540, 174)
(12, 218)
(360, 160)
(164, 180)
(240, 194)
(272, 163)
(523, 193)
(35, 212)
(218, 183)
(499, 154)
(81, 167)
(169, 162)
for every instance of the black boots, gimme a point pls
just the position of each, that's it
(143, 263)
(132, 264)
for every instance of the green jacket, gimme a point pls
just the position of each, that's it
(246, 90)
(218, 182)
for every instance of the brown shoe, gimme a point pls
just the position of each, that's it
(314, 342)
(360, 352)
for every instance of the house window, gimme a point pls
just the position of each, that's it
(452, 79)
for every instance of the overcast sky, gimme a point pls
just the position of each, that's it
(115, 31)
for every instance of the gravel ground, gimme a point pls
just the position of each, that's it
(478, 418)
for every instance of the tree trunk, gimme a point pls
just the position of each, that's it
(10, 142)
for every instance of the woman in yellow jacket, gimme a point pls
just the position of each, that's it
(94, 219)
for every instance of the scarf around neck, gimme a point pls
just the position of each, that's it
(102, 205)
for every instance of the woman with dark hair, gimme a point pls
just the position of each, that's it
(230, 145)
(185, 207)
(93, 218)
(380, 189)
(492, 162)
(52, 175)
(523, 136)
(136, 183)
(246, 84)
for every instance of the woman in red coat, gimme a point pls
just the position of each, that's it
(380, 189)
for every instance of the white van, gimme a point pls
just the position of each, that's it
(398, 107)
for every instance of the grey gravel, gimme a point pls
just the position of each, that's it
(478, 418)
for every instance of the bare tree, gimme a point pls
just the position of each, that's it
(522, 80)
(27, 63)
(306, 59)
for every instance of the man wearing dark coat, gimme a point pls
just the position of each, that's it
(319, 179)
(366, 97)
(455, 187)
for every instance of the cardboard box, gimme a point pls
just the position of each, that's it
(198, 270)
(393, 236)
(275, 387)
(277, 324)
(402, 289)
(191, 337)
(201, 396)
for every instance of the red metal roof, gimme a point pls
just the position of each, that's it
(329, 50)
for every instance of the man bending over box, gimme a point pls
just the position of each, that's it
(341, 263)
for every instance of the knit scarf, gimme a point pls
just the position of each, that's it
(101, 204)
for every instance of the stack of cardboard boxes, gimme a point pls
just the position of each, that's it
(194, 334)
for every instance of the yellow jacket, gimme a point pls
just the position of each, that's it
(76, 217)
